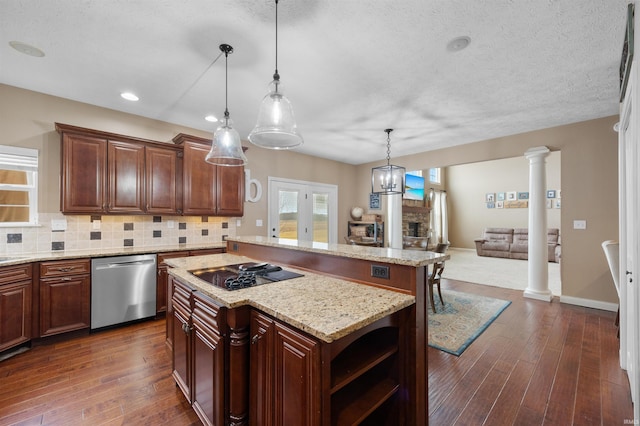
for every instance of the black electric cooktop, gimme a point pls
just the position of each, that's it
(243, 275)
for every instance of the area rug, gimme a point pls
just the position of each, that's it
(464, 317)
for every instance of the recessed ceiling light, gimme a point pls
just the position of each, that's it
(27, 49)
(211, 118)
(458, 43)
(129, 96)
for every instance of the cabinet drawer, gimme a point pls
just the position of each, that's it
(11, 274)
(65, 267)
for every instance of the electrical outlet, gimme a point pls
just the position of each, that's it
(379, 271)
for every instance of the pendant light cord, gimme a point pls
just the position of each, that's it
(276, 76)
(226, 85)
(388, 145)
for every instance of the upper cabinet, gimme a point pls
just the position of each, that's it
(84, 174)
(106, 173)
(209, 189)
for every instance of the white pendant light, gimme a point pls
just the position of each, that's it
(388, 179)
(226, 148)
(276, 127)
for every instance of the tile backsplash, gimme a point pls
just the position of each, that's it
(109, 232)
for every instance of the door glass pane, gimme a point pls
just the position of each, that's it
(288, 214)
(321, 218)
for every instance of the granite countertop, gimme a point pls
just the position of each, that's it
(89, 253)
(380, 254)
(325, 307)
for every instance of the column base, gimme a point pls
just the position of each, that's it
(545, 296)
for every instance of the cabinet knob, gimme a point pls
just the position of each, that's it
(255, 339)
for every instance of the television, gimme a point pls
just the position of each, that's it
(414, 187)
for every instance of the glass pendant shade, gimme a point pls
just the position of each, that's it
(276, 127)
(226, 148)
(387, 180)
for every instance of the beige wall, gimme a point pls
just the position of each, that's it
(468, 184)
(588, 164)
(589, 180)
(28, 120)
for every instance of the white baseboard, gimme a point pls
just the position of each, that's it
(589, 303)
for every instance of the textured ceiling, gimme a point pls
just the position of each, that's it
(351, 68)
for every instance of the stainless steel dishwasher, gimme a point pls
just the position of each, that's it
(123, 289)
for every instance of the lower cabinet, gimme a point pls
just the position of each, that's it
(199, 361)
(15, 305)
(182, 337)
(164, 289)
(209, 379)
(65, 296)
(284, 374)
(227, 359)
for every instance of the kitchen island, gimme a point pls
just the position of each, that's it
(343, 344)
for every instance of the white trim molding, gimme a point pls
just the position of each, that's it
(589, 303)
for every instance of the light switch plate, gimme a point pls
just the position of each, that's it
(171, 224)
(579, 224)
(58, 224)
(96, 225)
(258, 222)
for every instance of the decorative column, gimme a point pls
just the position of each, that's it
(538, 272)
(393, 221)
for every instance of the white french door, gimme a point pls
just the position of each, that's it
(305, 211)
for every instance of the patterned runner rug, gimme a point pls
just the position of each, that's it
(464, 317)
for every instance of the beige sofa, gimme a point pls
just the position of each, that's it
(513, 243)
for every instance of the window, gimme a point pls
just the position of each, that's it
(18, 186)
(434, 175)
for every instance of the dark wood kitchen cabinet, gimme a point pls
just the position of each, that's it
(15, 305)
(209, 378)
(84, 174)
(199, 360)
(209, 189)
(105, 173)
(182, 337)
(65, 296)
(162, 180)
(126, 177)
(284, 374)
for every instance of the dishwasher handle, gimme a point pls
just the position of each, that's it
(125, 264)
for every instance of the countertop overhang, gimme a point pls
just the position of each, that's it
(415, 258)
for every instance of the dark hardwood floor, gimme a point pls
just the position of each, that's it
(538, 363)
(116, 377)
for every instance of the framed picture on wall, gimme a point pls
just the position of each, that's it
(551, 193)
(490, 197)
(500, 204)
(549, 203)
(491, 205)
(500, 196)
(523, 195)
(512, 196)
(374, 201)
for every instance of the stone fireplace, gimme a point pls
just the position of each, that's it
(415, 221)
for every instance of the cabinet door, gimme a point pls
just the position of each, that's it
(64, 304)
(261, 380)
(15, 314)
(199, 181)
(230, 191)
(126, 177)
(161, 175)
(84, 171)
(182, 338)
(164, 289)
(209, 382)
(297, 388)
